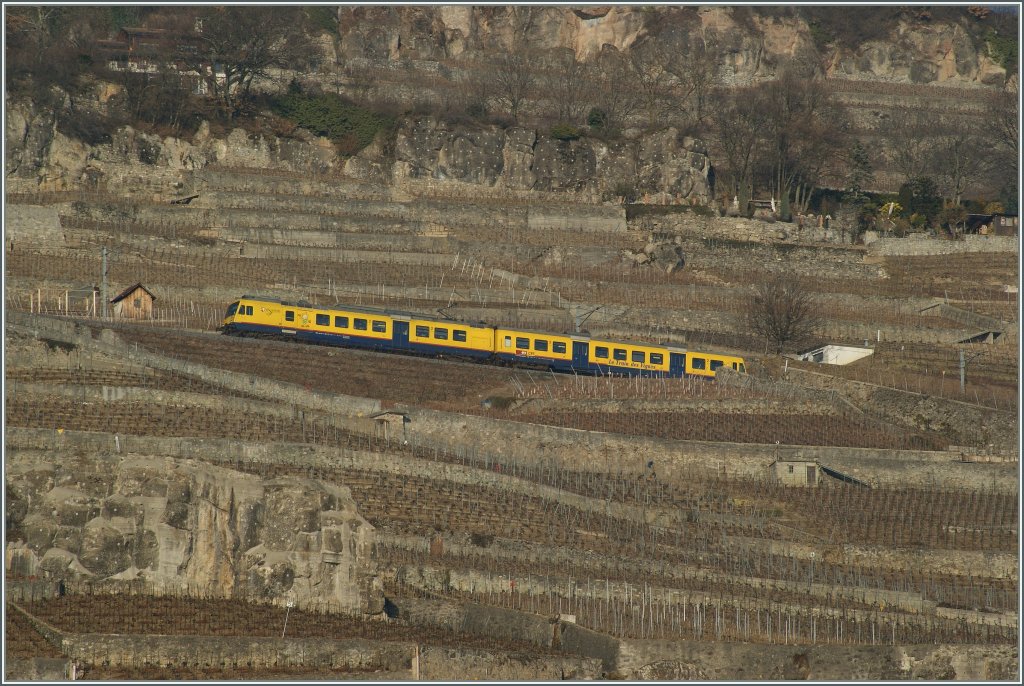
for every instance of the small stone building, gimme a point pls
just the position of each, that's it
(795, 472)
(134, 302)
(388, 423)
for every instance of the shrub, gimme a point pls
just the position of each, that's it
(565, 132)
(350, 126)
(625, 190)
(87, 126)
(597, 118)
(1003, 49)
(322, 17)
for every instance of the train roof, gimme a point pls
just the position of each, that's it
(400, 314)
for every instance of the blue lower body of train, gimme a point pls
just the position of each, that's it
(399, 342)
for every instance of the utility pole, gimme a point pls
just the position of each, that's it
(963, 367)
(103, 282)
(963, 371)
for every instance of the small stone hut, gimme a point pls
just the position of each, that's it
(388, 422)
(795, 472)
(134, 302)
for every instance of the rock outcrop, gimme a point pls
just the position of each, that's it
(752, 45)
(175, 523)
(663, 164)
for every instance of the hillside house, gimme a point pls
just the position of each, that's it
(992, 224)
(152, 51)
(134, 302)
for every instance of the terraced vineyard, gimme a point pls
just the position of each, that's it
(507, 503)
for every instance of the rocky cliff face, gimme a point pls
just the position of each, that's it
(747, 46)
(750, 45)
(664, 165)
(182, 524)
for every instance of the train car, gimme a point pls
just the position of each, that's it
(643, 359)
(358, 327)
(346, 326)
(635, 359)
(428, 336)
(706, 364)
(561, 352)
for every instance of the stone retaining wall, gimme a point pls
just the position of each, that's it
(228, 652)
(36, 669)
(739, 661)
(917, 246)
(34, 225)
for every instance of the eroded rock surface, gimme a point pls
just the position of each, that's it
(174, 522)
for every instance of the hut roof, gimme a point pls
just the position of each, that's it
(128, 291)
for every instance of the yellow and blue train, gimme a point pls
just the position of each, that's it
(394, 331)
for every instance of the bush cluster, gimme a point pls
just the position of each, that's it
(566, 132)
(325, 114)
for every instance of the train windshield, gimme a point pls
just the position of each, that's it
(232, 308)
(743, 369)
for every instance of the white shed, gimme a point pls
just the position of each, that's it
(835, 354)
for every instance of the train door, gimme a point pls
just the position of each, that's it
(677, 364)
(580, 355)
(400, 334)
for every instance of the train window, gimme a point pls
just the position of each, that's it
(523, 343)
(601, 352)
(656, 358)
(508, 341)
(232, 308)
(323, 320)
(248, 310)
(735, 366)
(459, 335)
(380, 326)
(360, 324)
(639, 356)
(715, 364)
(619, 354)
(289, 315)
(698, 363)
(341, 322)
(423, 331)
(441, 334)
(558, 347)
(540, 344)
(743, 368)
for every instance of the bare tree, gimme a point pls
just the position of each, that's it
(515, 80)
(244, 43)
(736, 122)
(1004, 123)
(1005, 119)
(960, 158)
(803, 131)
(650, 80)
(782, 310)
(910, 146)
(689, 59)
(614, 92)
(567, 84)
